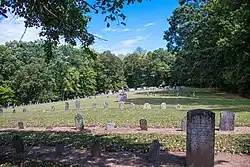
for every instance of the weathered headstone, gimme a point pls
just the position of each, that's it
(95, 148)
(79, 122)
(132, 105)
(53, 108)
(24, 109)
(1, 110)
(77, 103)
(110, 126)
(226, 121)
(121, 105)
(105, 105)
(194, 94)
(14, 110)
(200, 138)
(59, 148)
(17, 143)
(147, 106)
(184, 124)
(178, 106)
(143, 124)
(94, 105)
(66, 106)
(163, 106)
(153, 153)
(20, 125)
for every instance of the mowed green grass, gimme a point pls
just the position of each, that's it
(41, 115)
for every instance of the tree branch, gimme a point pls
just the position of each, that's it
(23, 33)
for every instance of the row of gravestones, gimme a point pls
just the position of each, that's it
(199, 141)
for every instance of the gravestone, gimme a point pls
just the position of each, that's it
(1, 110)
(53, 108)
(132, 105)
(17, 143)
(94, 105)
(95, 148)
(163, 106)
(110, 126)
(24, 109)
(79, 122)
(77, 103)
(147, 106)
(194, 94)
(226, 121)
(14, 110)
(20, 125)
(121, 105)
(200, 138)
(184, 124)
(153, 153)
(105, 105)
(143, 124)
(59, 148)
(66, 106)
(178, 106)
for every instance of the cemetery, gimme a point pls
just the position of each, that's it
(208, 129)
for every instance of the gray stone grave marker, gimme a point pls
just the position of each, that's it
(79, 122)
(184, 124)
(1, 110)
(20, 125)
(77, 103)
(53, 108)
(200, 138)
(110, 126)
(106, 105)
(163, 106)
(24, 109)
(147, 106)
(132, 105)
(121, 105)
(94, 105)
(153, 153)
(66, 106)
(143, 124)
(178, 106)
(95, 148)
(226, 121)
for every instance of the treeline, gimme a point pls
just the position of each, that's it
(211, 40)
(28, 73)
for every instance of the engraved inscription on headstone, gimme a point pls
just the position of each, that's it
(143, 124)
(66, 106)
(227, 121)
(184, 124)
(200, 138)
(79, 122)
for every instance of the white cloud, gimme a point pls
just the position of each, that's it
(13, 29)
(116, 29)
(140, 29)
(149, 24)
(129, 42)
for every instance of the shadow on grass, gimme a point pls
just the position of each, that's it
(115, 150)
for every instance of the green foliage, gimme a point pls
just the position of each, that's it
(6, 95)
(212, 44)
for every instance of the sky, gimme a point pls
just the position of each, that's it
(145, 26)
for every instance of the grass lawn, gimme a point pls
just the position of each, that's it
(40, 115)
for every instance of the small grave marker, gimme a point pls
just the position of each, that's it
(226, 121)
(17, 143)
(79, 122)
(20, 125)
(178, 106)
(110, 126)
(147, 106)
(200, 138)
(106, 105)
(143, 124)
(121, 105)
(59, 148)
(132, 105)
(77, 103)
(1, 110)
(94, 105)
(163, 106)
(53, 108)
(95, 148)
(153, 153)
(24, 109)
(67, 106)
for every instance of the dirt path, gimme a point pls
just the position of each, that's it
(124, 130)
(80, 157)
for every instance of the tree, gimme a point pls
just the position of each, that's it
(6, 95)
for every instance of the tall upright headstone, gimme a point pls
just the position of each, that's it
(20, 125)
(200, 138)
(121, 105)
(143, 124)
(17, 143)
(77, 103)
(79, 122)
(163, 106)
(95, 148)
(105, 105)
(59, 148)
(226, 121)
(66, 106)
(1, 110)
